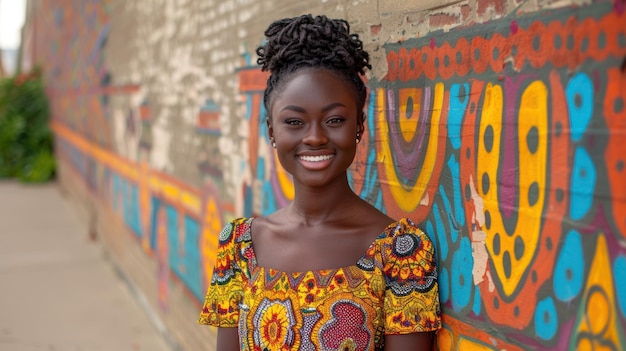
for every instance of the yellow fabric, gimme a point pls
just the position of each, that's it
(392, 289)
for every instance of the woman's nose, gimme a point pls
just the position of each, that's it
(315, 135)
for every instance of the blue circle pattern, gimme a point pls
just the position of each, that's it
(546, 319)
(569, 268)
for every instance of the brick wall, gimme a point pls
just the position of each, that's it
(511, 115)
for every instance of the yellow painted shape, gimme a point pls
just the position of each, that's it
(487, 162)
(155, 184)
(533, 114)
(284, 180)
(170, 191)
(190, 201)
(409, 199)
(597, 323)
(444, 339)
(176, 195)
(467, 344)
(408, 126)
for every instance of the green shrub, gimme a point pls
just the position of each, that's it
(26, 142)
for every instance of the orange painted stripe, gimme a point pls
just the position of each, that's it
(171, 189)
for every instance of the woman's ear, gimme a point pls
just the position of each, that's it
(270, 129)
(360, 127)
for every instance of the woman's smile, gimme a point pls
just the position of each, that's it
(316, 162)
(316, 158)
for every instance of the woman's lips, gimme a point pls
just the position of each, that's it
(316, 162)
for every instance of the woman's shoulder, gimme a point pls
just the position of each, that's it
(265, 224)
(404, 236)
(408, 257)
(402, 226)
(236, 229)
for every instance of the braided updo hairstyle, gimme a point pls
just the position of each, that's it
(312, 42)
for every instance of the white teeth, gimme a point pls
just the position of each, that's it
(316, 158)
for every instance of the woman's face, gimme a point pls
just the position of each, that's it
(314, 125)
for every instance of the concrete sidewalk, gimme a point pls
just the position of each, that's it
(57, 289)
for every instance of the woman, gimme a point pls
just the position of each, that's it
(329, 271)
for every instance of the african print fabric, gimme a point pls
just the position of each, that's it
(392, 289)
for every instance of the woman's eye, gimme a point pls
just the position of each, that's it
(335, 120)
(293, 122)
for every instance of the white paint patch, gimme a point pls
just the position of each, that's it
(425, 199)
(479, 249)
(480, 254)
(118, 130)
(159, 158)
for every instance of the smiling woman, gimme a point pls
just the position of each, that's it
(328, 271)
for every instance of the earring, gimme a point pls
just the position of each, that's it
(358, 137)
(274, 144)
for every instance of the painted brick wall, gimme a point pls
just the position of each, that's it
(495, 124)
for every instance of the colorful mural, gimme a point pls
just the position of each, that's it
(501, 139)
(511, 168)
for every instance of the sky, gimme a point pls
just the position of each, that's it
(11, 21)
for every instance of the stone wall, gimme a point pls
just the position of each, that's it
(495, 124)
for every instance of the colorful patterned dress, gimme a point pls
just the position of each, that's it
(392, 289)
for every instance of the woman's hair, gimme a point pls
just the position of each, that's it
(312, 42)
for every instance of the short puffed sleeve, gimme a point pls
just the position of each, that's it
(410, 271)
(225, 292)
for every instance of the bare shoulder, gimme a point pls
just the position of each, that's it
(371, 217)
(263, 226)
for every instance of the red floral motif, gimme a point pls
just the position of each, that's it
(348, 322)
(248, 253)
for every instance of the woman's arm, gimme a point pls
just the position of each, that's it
(227, 339)
(409, 342)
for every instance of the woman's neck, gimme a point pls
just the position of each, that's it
(312, 206)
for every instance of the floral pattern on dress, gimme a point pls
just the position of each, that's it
(392, 289)
(277, 323)
(346, 327)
